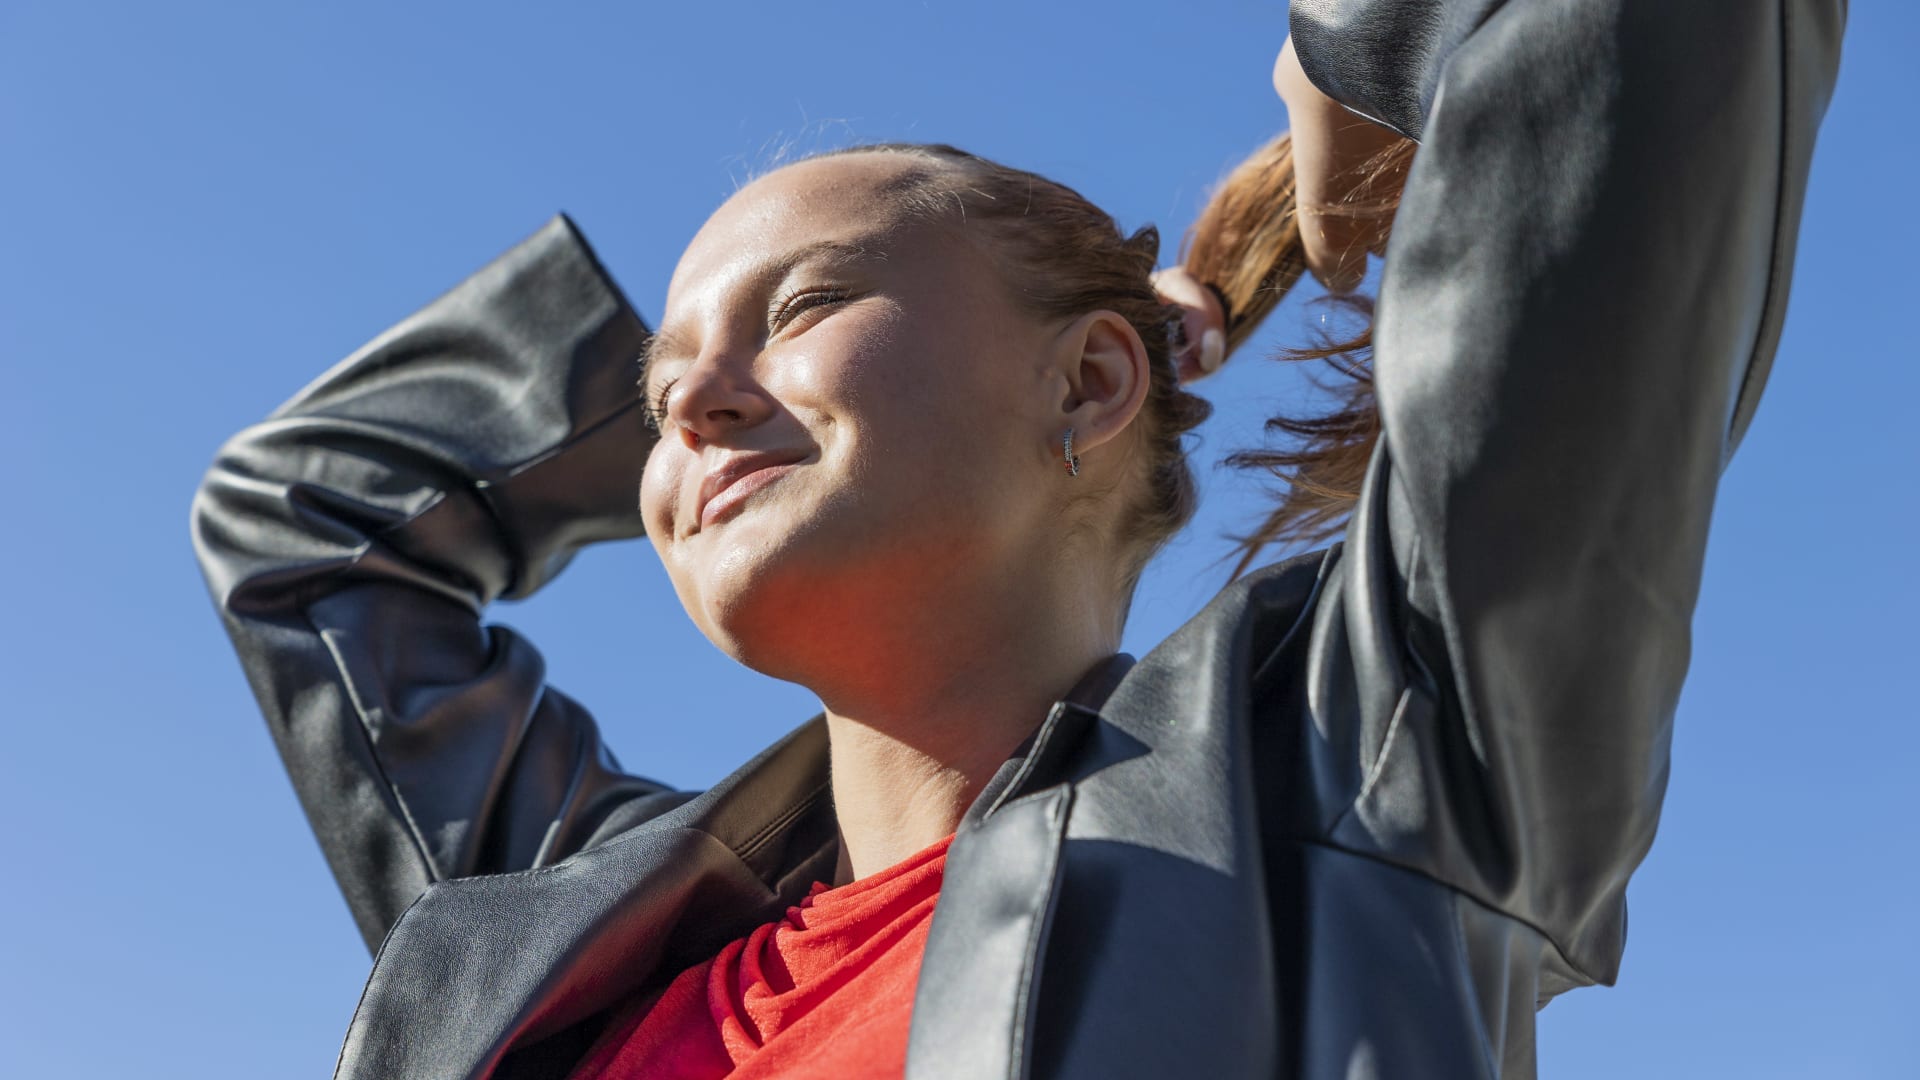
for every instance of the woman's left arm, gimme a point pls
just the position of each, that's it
(1582, 297)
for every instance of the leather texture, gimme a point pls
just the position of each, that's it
(1360, 817)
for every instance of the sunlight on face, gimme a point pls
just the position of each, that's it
(852, 413)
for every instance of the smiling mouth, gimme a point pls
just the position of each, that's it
(731, 499)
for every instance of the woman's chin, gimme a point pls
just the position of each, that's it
(773, 646)
(755, 602)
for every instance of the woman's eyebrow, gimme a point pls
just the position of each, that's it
(867, 247)
(862, 248)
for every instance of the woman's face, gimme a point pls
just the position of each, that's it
(855, 418)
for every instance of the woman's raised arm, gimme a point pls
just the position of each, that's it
(1584, 289)
(352, 538)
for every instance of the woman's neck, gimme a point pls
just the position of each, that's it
(905, 770)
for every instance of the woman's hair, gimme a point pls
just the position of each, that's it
(1063, 256)
(1246, 245)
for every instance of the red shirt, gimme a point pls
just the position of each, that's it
(823, 994)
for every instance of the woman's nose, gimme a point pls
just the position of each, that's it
(713, 399)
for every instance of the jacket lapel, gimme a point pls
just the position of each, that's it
(480, 969)
(979, 975)
(1160, 939)
(981, 964)
(1107, 913)
(1116, 861)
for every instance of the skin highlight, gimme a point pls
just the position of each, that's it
(924, 566)
(907, 543)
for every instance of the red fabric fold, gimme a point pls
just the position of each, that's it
(825, 993)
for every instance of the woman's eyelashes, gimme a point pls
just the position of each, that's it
(793, 307)
(801, 302)
(656, 407)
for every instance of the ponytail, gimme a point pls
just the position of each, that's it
(1246, 246)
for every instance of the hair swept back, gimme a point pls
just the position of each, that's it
(1065, 256)
(1247, 246)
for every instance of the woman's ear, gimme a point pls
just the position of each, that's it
(1105, 364)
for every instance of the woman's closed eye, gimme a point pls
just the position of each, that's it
(800, 302)
(656, 407)
(793, 307)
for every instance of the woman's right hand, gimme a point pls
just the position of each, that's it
(1203, 325)
(1345, 210)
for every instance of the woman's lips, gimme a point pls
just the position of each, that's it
(729, 499)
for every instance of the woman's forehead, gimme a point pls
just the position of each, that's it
(841, 205)
(818, 195)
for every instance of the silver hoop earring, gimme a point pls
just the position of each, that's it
(1066, 451)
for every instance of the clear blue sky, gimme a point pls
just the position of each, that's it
(207, 204)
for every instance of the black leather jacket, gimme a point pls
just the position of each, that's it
(1361, 816)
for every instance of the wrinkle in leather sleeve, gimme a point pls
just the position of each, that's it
(1581, 297)
(352, 539)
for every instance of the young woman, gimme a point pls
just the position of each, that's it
(908, 432)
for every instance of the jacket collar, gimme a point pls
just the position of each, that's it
(1040, 759)
(479, 970)
(480, 967)
(1128, 817)
(1105, 913)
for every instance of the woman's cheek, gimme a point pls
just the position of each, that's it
(860, 355)
(656, 494)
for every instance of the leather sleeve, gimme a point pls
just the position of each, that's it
(352, 539)
(1582, 295)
